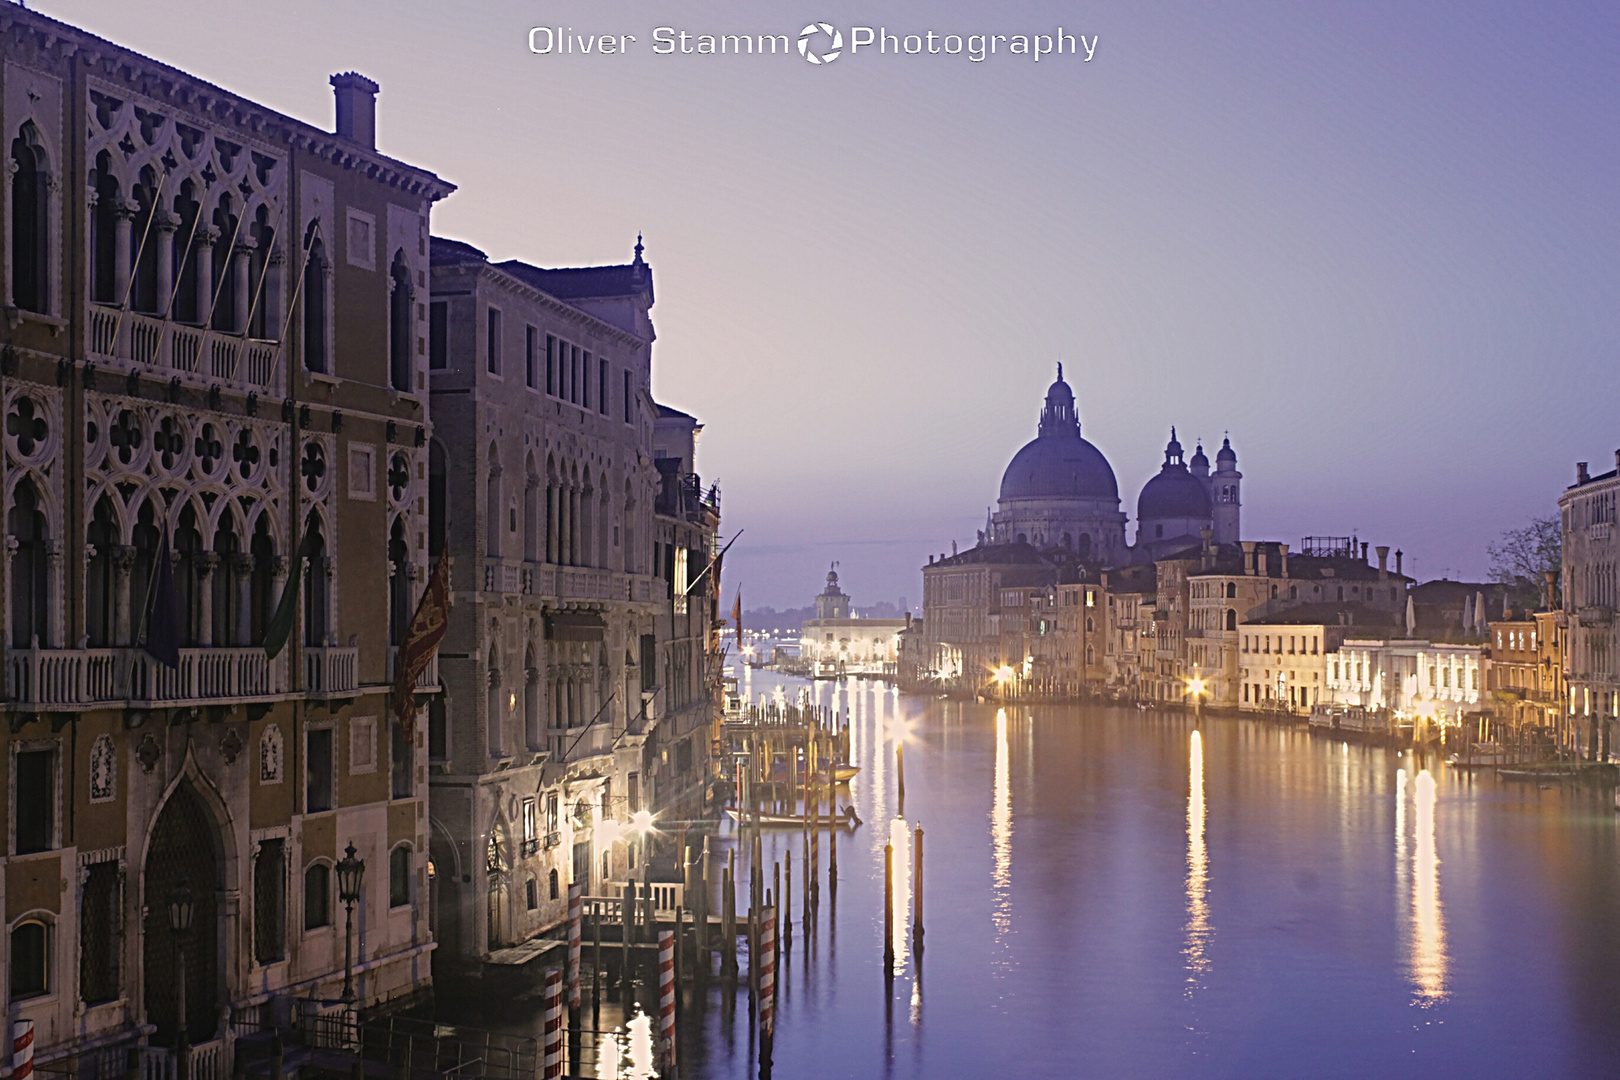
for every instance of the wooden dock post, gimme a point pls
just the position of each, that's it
(787, 899)
(888, 907)
(666, 1001)
(917, 891)
(576, 895)
(552, 1064)
(900, 773)
(701, 923)
(627, 909)
(596, 963)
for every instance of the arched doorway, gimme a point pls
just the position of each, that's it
(497, 867)
(185, 843)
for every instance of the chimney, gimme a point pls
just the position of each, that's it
(930, 560)
(1260, 562)
(1283, 550)
(1364, 551)
(1248, 557)
(1383, 561)
(1549, 590)
(1397, 560)
(356, 108)
(1580, 472)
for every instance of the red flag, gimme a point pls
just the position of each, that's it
(736, 617)
(422, 639)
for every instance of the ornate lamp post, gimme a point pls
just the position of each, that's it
(182, 907)
(349, 871)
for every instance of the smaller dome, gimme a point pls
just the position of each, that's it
(1226, 453)
(1198, 459)
(1174, 493)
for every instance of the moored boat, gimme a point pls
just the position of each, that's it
(846, 820)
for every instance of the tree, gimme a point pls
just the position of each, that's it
(1521, 559)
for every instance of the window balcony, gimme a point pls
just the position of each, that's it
(331, 672)
(503, 577)
(191, 353)
(63, 678)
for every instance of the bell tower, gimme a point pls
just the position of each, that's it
(1225, 492)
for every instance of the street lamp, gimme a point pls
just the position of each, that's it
(182, 909)
(349, 871)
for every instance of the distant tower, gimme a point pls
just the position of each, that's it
(1224, 493)
(832, 603)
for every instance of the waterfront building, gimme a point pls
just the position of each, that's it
(961, 646)
(1591, 580)
(542, 488)
(838, 642)
(1427, 683)
(1512, 672)
(215, 354)
(1130, 595)
(1285, 655)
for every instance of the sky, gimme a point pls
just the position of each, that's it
(1373, 242)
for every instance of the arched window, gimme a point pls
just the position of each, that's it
(29, 581)
(30, 228)
(1231, 619)
(104, 233)
(492, 510)
(315, 319)
(317, 598)
(532, 544)
(262, 586)
(531, 894)
(228, 628)
(100, 601)
(1231, 590)
(399, 583)
(531, 703)
(399, 876)
(144, 292)
(495, 707)
(181, 302)
(222, 293)
(30, 959)
(263, 291)
(552, 877)
(317, 896)
(400, 296)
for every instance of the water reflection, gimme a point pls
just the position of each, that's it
(1001, 837)
(1198, 930)
(628, 1054)
(900, 837)
(1428, 922)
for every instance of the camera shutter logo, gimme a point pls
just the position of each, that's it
(815, 30)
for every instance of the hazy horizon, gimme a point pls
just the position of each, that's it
(1375, 244)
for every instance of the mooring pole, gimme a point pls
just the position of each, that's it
(900, 773)
(917, 891)
(888, 907)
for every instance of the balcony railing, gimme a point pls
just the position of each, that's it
(48, 678)
(503, 577)
(332, 672)
(428, 680)
(188, 350)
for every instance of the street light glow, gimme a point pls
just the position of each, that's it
(1004, 674)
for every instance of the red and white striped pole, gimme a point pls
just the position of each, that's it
(767, 972)
(575, 906)
(666, 998)
(22, 1049)
(552, 1063)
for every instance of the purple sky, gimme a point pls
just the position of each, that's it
(1376, 242)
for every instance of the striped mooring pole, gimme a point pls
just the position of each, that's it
(666, 999)
(552, 1062)
(767, 973)
(22, 1049)
(575, 907)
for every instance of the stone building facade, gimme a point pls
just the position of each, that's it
(1591, 580)
(215, 346)
(549, 489)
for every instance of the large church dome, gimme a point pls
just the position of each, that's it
(1058, 463)
(1175, 493)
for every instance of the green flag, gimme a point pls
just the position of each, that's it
(281, 623)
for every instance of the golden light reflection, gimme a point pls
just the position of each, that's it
(900, 837)
(629, 1054)
(1428, 921)
(1198, 930)
(1001, 836)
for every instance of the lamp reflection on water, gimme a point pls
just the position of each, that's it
(1198, 929)
(1428, 922)
(1001, 836)
(900, 837)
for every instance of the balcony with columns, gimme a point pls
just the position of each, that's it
(193, 352)
(515, 578)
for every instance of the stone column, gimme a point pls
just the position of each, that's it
(573, 526)
(163, 229)
(123, 562)
(327, 569)
(123, 220)
(54, 600)
(203, 246)
(241, 255)
(207, 563)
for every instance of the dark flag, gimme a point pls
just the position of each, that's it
(422, 639)
(281, 622)
(736, 617)
(163, 611)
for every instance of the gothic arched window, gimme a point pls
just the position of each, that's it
(30, 226)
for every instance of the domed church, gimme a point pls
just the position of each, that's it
(1059, 493)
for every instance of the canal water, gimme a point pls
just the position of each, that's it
(1116, 893)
